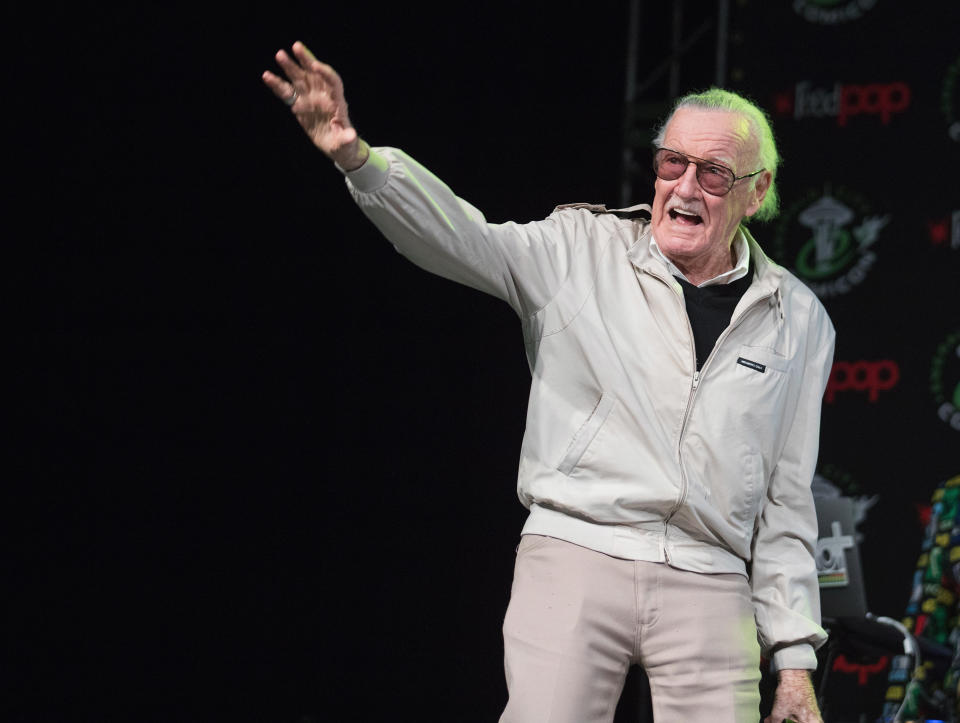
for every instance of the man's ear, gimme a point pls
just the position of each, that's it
(759, 192)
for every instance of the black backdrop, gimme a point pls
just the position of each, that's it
(262, 468)
(867, 110)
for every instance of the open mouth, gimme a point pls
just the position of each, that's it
(684, 218)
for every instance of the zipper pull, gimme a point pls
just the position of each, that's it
(696, 378)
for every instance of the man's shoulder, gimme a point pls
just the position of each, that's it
(797, 294)
(791, 283)
(596, 228)
(640, 211)
(627, 224)
(802, 298)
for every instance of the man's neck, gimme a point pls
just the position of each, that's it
(705, 269)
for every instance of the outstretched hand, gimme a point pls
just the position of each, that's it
(314, 92)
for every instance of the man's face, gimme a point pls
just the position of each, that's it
(692, 227)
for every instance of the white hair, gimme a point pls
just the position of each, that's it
(760, 128)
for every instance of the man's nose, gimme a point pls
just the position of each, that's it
(687, 184)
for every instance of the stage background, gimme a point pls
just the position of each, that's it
(263, 469)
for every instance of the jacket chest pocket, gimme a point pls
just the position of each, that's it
(758, 381)
(761, 359)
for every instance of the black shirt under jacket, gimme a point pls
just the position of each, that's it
(710, 309)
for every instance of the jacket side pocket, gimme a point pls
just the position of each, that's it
(753, 489)
(584, 436)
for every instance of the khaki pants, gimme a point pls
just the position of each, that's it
(578, 619)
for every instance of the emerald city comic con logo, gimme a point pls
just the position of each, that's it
(950, 100)
(827, 239)
(945, 380)
(832, 12)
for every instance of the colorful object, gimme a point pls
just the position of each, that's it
(930, 692)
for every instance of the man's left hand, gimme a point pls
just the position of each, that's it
(795, 699)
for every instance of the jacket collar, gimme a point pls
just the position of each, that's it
(767, 275)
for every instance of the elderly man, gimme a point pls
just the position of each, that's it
(673, 421)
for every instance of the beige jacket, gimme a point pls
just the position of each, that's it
(628, 450)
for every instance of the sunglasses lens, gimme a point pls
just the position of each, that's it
(714, 179)
(669, 165)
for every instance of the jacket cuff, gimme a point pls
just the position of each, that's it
(371, 176)
(800, 657)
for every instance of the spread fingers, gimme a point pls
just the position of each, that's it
(293, 71)
(281, 88)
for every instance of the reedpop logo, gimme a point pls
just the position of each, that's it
(827, 240)
(843, 101)
(871, 377)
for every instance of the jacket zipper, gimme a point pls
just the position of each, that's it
(694, 383)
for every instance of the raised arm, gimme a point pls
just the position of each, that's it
(523, 264)
(314, 92)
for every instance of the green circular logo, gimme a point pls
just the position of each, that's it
(945, 379)
(810, 267)
(826, 238)
(950, 100)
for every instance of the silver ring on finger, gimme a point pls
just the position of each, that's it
(292, 99)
